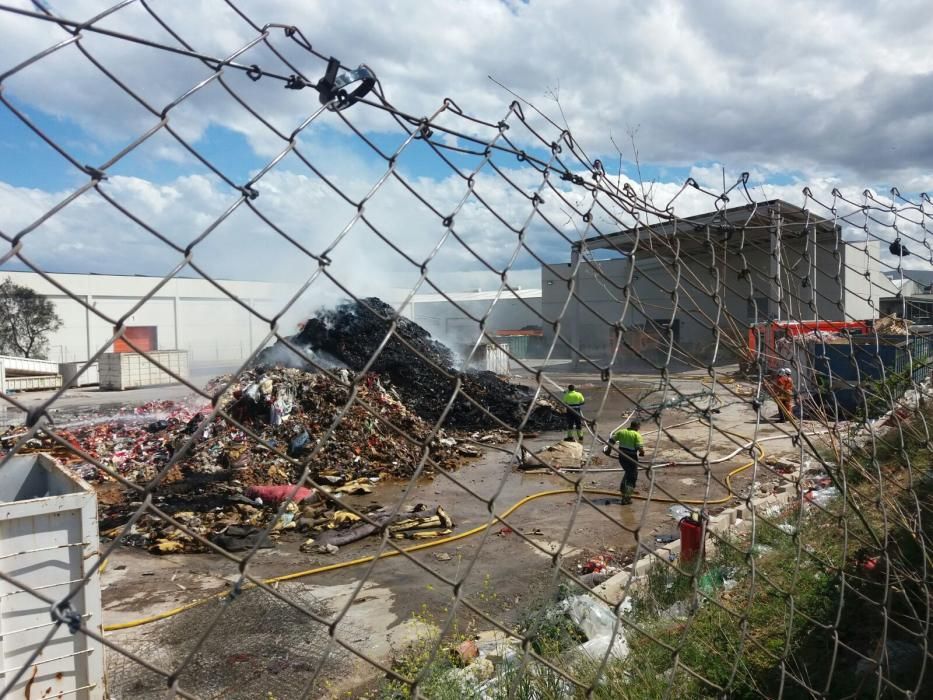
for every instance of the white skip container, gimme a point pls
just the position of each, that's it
(48, 544)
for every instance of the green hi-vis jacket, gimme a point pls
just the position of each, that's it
(628, 439)
(574, 398)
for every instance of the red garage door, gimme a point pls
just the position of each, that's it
(145, 338)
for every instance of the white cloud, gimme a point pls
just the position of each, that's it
(831, 88)
(824, 94)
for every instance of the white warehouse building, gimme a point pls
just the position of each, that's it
(188, 314)
(684, 279)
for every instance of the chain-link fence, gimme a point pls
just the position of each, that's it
(739, 508)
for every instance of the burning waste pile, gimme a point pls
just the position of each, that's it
(227, 486)
(422, 370)
(231, 475)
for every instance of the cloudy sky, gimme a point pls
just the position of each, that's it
(826, 95)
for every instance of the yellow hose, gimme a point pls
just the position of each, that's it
(426, 545)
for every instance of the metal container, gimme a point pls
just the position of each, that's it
(48, 544)
(517, 344)
(130, 370)
(37, 383)
(25, 374)
(69, 371)
(853, 373)
(26, 366)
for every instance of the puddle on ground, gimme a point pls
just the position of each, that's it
(607, 501)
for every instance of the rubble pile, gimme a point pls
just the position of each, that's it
(892, 325)
(290, 410)
(228, 484)
(354, 332)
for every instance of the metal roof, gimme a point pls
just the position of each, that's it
(923, 277)
(754, 221)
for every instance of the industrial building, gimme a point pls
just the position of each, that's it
(188, 314)
(914, 300)
(679, 285)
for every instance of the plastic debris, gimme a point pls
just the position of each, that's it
(466, 651)
(678, 512)
(274, 495)
(298, 444)
(600, 627)
(821, 497)
(595, 564)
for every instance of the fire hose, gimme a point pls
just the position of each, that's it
(451, 538)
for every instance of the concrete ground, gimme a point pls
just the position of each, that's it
(379, 607)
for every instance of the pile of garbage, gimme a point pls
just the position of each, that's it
(484, 665)
(288, 410)
(241, 524)
(892, 325)
(422, 370)
(235, 473)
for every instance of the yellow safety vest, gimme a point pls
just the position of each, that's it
(573, 398)
(629, 439)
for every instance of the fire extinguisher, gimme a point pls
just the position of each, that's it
(692, 538)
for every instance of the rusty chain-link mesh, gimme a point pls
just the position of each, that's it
(676, 310)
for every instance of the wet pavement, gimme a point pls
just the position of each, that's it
(501, 571)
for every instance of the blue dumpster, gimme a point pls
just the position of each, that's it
(851, 372)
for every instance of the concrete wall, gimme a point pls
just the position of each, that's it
(189, 314)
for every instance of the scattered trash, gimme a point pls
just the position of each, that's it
(560, 454)
(470, 676)
(892, 325)
(240, 539)
(442, 556)
(597, 623)
(821, 497)
(497, 645)
(680, 610)
(869, 564)
(298, 444)
(466, 651)
(787, 528)
(678, 512)
(594, 565)
(274, 495)
(343, 527)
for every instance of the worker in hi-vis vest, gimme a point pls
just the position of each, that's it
(631, 445)
(573, 400)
